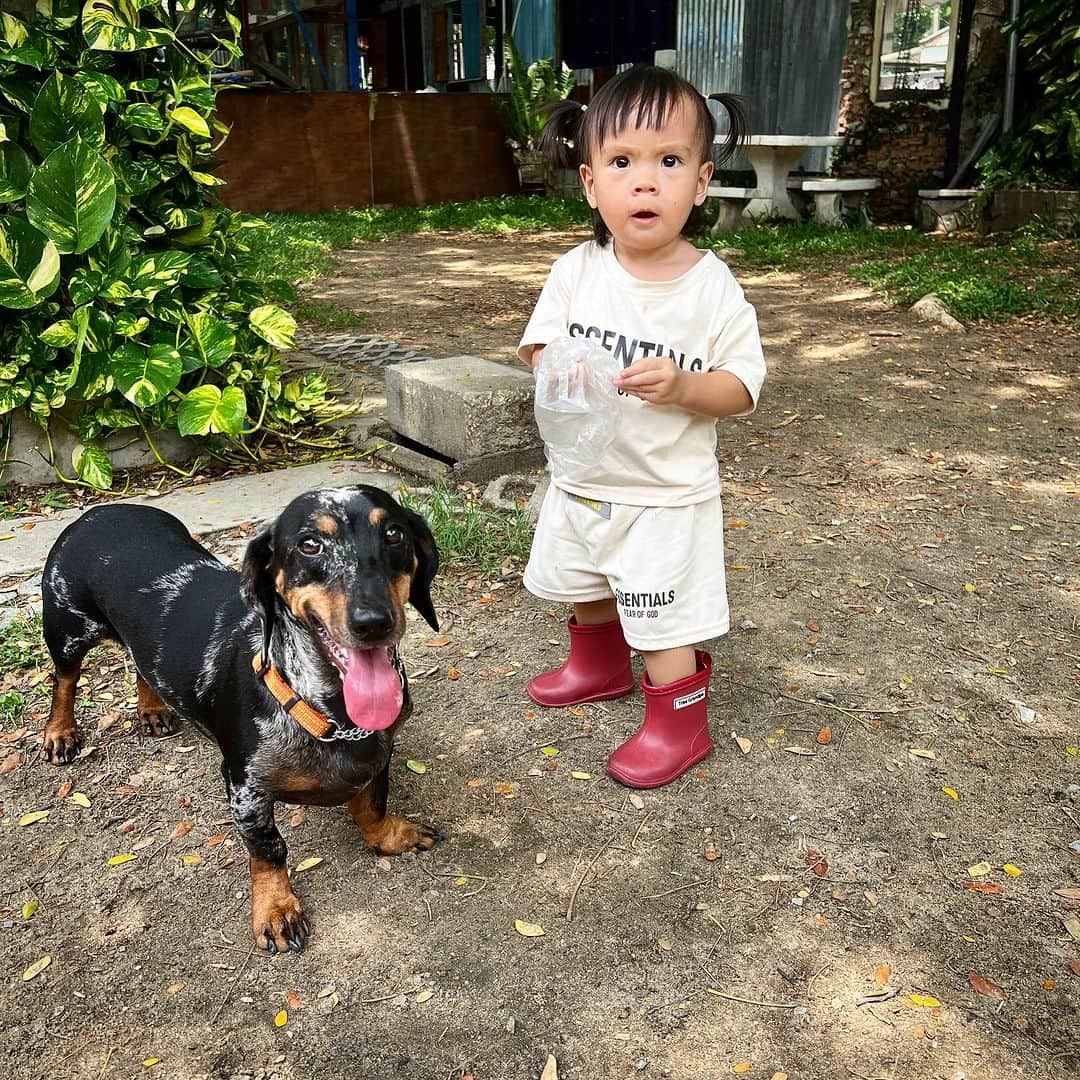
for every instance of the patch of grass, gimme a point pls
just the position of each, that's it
(54, 497)
(297, 247)
(21, 644)
(326, 313)
(993, 278)
(12, 704)
(469, 532)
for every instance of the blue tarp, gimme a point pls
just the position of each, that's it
(533, 27)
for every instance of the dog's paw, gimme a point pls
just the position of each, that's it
(393, 835)
(280, 924)
(157, 723)
(61, 747)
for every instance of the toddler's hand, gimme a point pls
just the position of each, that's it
(654, 379)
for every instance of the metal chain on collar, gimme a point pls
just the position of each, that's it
(358, 734)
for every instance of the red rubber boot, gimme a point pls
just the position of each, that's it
(597, 668)
(674, 734)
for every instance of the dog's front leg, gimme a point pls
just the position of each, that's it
(388, 834)
(277, 919)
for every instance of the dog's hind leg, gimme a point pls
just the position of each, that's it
(277, 919)
(155, 717)
(388, 834)
(69, 636)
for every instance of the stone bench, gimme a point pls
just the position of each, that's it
(835, 198)
(733, 201)
(945, 209)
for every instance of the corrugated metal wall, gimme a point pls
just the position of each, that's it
(783, 57)
(533, 27)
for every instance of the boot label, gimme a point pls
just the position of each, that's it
(687, 700)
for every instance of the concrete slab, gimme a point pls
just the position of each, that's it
(463, 407)
(204, 508)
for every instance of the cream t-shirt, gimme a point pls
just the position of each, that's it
(662, 455)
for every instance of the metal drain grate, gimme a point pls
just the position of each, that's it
(359, 349)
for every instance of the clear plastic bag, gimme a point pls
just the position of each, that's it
(576, 403)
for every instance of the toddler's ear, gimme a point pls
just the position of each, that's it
(587, 181)
(704, 176)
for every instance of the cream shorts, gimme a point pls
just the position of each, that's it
(664, 565)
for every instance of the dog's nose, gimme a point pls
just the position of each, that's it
(366, 622)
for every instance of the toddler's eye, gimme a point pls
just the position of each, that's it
(670, 161)
(621, 162)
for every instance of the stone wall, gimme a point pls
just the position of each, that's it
(905, 143)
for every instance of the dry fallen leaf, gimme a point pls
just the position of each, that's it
(417, 767)
(181, 830)
(744, 744)
(64, 790)
(817, 862)
(951, 792)
(824, 736)
(438, 642)
(882, 974)
(709, 851)
(980, 869)
(1069, 894)
(175, 988)
(636, 801)
(928, 754)
(119, 860)
(424, 995)
(12, 761)
(986, 987)
(741, 1067)
(307, 864)
(1011, 870)
(36, 968)
(551, 1070)
(281, 1019)
(292, 998)
(34, 817)
(527, 929)
(984, 886)
(925, 1001)
(79, 799)
(1072, 924)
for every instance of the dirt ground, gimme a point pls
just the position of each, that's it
(903, 562)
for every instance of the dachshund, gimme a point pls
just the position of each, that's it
(290, 665)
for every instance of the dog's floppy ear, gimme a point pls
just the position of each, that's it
(427, 562)
(256, 584)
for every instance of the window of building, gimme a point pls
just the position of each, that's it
(913, 50)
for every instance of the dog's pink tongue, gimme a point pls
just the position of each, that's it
(372, 689)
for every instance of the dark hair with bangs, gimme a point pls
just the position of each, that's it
(642, 96)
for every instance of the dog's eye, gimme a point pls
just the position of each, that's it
(310, 546)
(394, 534)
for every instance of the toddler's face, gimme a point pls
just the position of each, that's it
(645, 181)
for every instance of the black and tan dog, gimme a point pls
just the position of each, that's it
(292, 666)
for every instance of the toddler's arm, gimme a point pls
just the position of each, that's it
(659, 381)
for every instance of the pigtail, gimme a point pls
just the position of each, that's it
(559, 139)
(738, 125)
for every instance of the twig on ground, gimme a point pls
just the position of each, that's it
(232, 985)
(678, 888)
(752, 1001)
(540, 746)
(573, 895)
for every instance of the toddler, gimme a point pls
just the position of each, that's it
(635, 542)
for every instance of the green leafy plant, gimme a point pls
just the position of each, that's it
(1043, 148)
(533, 88)
(125, 301)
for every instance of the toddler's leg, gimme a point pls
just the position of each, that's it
(598, 667)
(675, 732)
